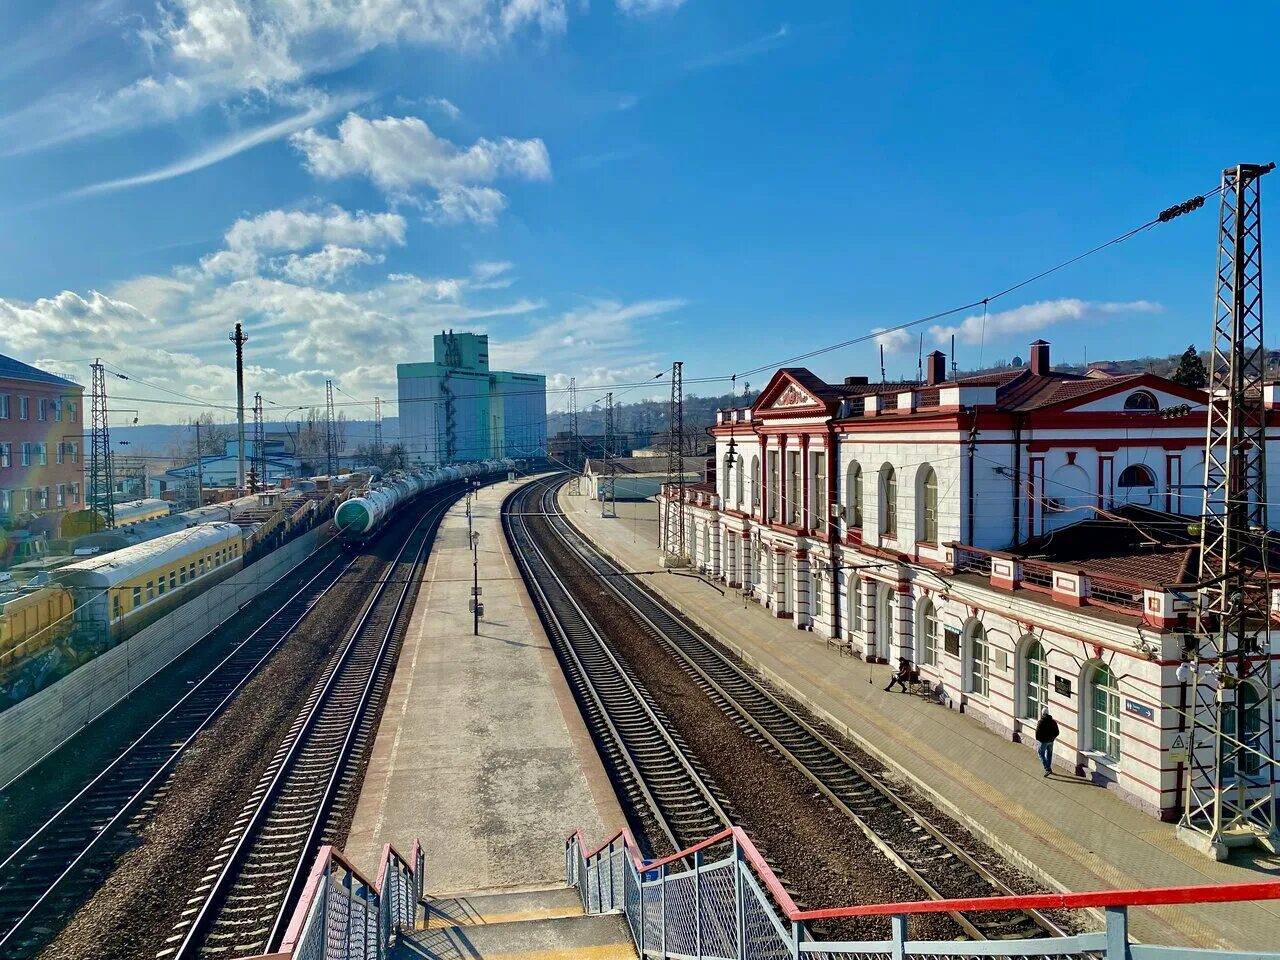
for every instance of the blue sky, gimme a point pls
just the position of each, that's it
(603, 187)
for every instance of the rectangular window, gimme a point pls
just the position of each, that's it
(6, 454)
(116, 611)
(773, 480)
(160, 584)
(61, 453)
(137, 597)
(793, 487)
(26, 454)
(151, 590)
(24, 408)
(43, 408)
(42, 454)
(818, 492)
(44, 498)
(855, 607)
(4, 406)
(75, 451)
(930, 638)
(57, 410)
(202, 566)
(182, 575)
(62, 494)
(75, 493)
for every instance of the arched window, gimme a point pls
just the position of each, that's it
(927, 505)
(755, 481)
(1140, 401)
(1251, 704)
(884, 620)
(816, 585)
(853, 496)
(1035, 684)
(1104, 711)
(740, 480)
(979, 661)
(927, 630)
(1136, 475)
(888, 501)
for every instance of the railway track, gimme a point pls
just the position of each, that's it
(935, 862)
(54, 868)
(647, 759)
(248, 891)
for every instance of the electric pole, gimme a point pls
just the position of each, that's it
(1230, 793)
(239, 339)
(101, 485)
(608, 501)
(673, 545)
(377, 426)
(199, 468)
(330, 438)
(575, 444)
(259, 446)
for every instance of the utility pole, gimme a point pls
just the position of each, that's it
(608, 499)
(259, 445)
(330, 438)
(377, 425)
(101, 485)
(673, 545)
(1230, 792)
(239, 339)
(199, 468)
(574, 441)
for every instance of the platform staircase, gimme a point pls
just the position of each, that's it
(535, 923)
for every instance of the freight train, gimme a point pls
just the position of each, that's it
(360, 519)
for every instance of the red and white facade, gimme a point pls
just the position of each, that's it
(897, 518)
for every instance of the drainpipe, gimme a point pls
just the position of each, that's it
(973, 444)
(1017, 479)
(833, 484)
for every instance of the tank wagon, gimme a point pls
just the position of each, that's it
(359, 519)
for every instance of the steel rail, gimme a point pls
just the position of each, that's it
(632, 732)
(859, 793)
(102, 805)
(272, 805)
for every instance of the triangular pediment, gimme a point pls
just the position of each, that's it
(785, 394)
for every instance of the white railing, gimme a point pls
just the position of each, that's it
(343, 916)
(720, 900)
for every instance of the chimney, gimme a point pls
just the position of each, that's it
(855, 381)
(1039, 357)
(937, 368)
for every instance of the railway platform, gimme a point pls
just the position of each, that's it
(1067, 833)
(481, 751)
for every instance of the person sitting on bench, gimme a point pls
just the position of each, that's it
(906, 672)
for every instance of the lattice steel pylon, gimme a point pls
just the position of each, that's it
(673, 539)
(330, 436)
(1230, 793)
(608, 499)
(259, 469)
(101, 483)
(575, 443)
(377, 425)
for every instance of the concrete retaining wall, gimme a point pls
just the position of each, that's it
(32, 729)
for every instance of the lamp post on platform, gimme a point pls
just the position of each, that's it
(475, 583)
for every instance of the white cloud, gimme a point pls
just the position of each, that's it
(744, 51)
(222, 150)
(399, 153)
(639, 8)
(200, 52)
(467, 205)
(444, 105)
(1036, 316)
(324, 266)
(893, 341)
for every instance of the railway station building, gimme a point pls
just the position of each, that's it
(1019, 536)
(455, 409)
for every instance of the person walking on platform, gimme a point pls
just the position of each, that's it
(1046, 733)
(901, 677)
